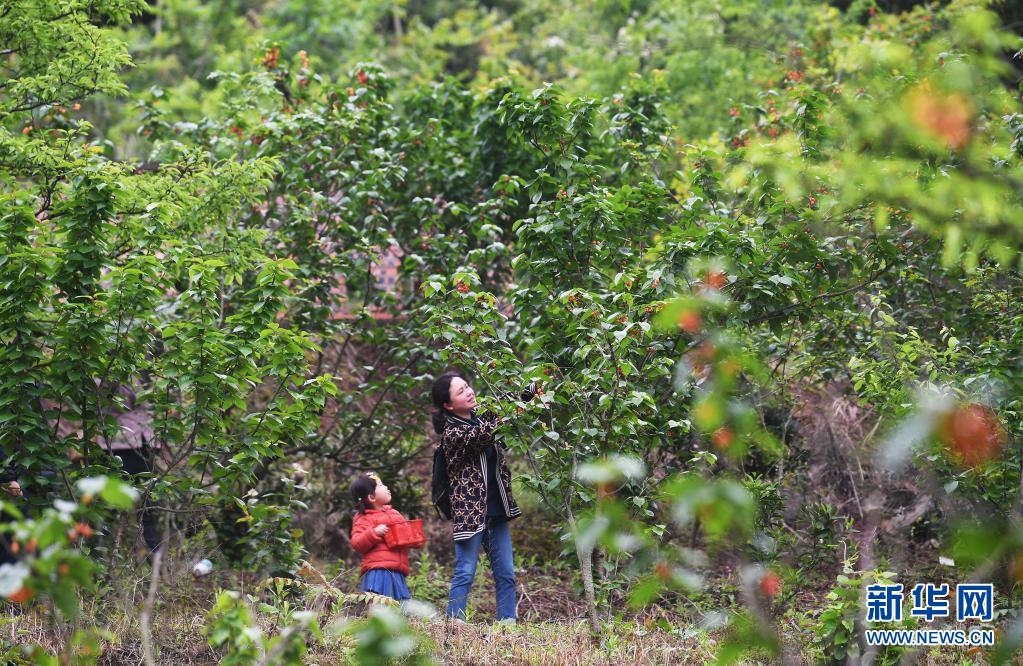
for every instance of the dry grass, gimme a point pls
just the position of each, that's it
(551, 629)
(180, 640)
(557, 643)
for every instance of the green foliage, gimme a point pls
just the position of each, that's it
(57, 55)
(931, 141)
(746, 637)
(115, 277)
(385, 637)
(839, 625)
(767, 498)
(824, 528)
(255, 531)
(428, 581)
(587, 214)
(54, 568)
(233, 629)
(836, 627)
(725, 509)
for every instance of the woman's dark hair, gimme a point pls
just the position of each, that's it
(441, 395)
(363, 487)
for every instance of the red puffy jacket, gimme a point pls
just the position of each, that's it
(374, 550)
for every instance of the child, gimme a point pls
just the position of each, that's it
(383, 568)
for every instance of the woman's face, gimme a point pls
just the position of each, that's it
(462, 397)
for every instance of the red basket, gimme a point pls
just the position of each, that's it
(408, 534)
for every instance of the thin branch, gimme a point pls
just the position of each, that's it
(147, 608)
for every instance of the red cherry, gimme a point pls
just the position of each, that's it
(722, 438)
(973, 434)
(690, 321)
(716, 280)
(770, 584)
(22, 595)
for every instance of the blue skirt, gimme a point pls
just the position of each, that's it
(386, 582)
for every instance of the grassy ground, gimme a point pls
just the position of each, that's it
(563, 643)
(551, 628)
(182, 642)
(179, 620)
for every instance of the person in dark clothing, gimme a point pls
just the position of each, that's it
(9, 489)
(136, 461)
(481, 494)
(135, 444)
(495, 510)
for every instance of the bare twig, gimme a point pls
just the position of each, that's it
(147, 608)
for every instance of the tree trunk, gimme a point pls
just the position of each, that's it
(585, 555)
(397, 23)
(874, 509)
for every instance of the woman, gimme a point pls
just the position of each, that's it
(481, 494)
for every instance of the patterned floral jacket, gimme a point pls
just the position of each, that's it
(464, 441)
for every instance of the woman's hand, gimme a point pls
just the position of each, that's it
(381, 530)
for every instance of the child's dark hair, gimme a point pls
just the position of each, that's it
(362, 488)
(441, 395)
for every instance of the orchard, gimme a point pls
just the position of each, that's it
(759, 268)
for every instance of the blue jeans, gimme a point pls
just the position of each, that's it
(497, 541)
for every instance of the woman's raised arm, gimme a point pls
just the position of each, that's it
(464, 439)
